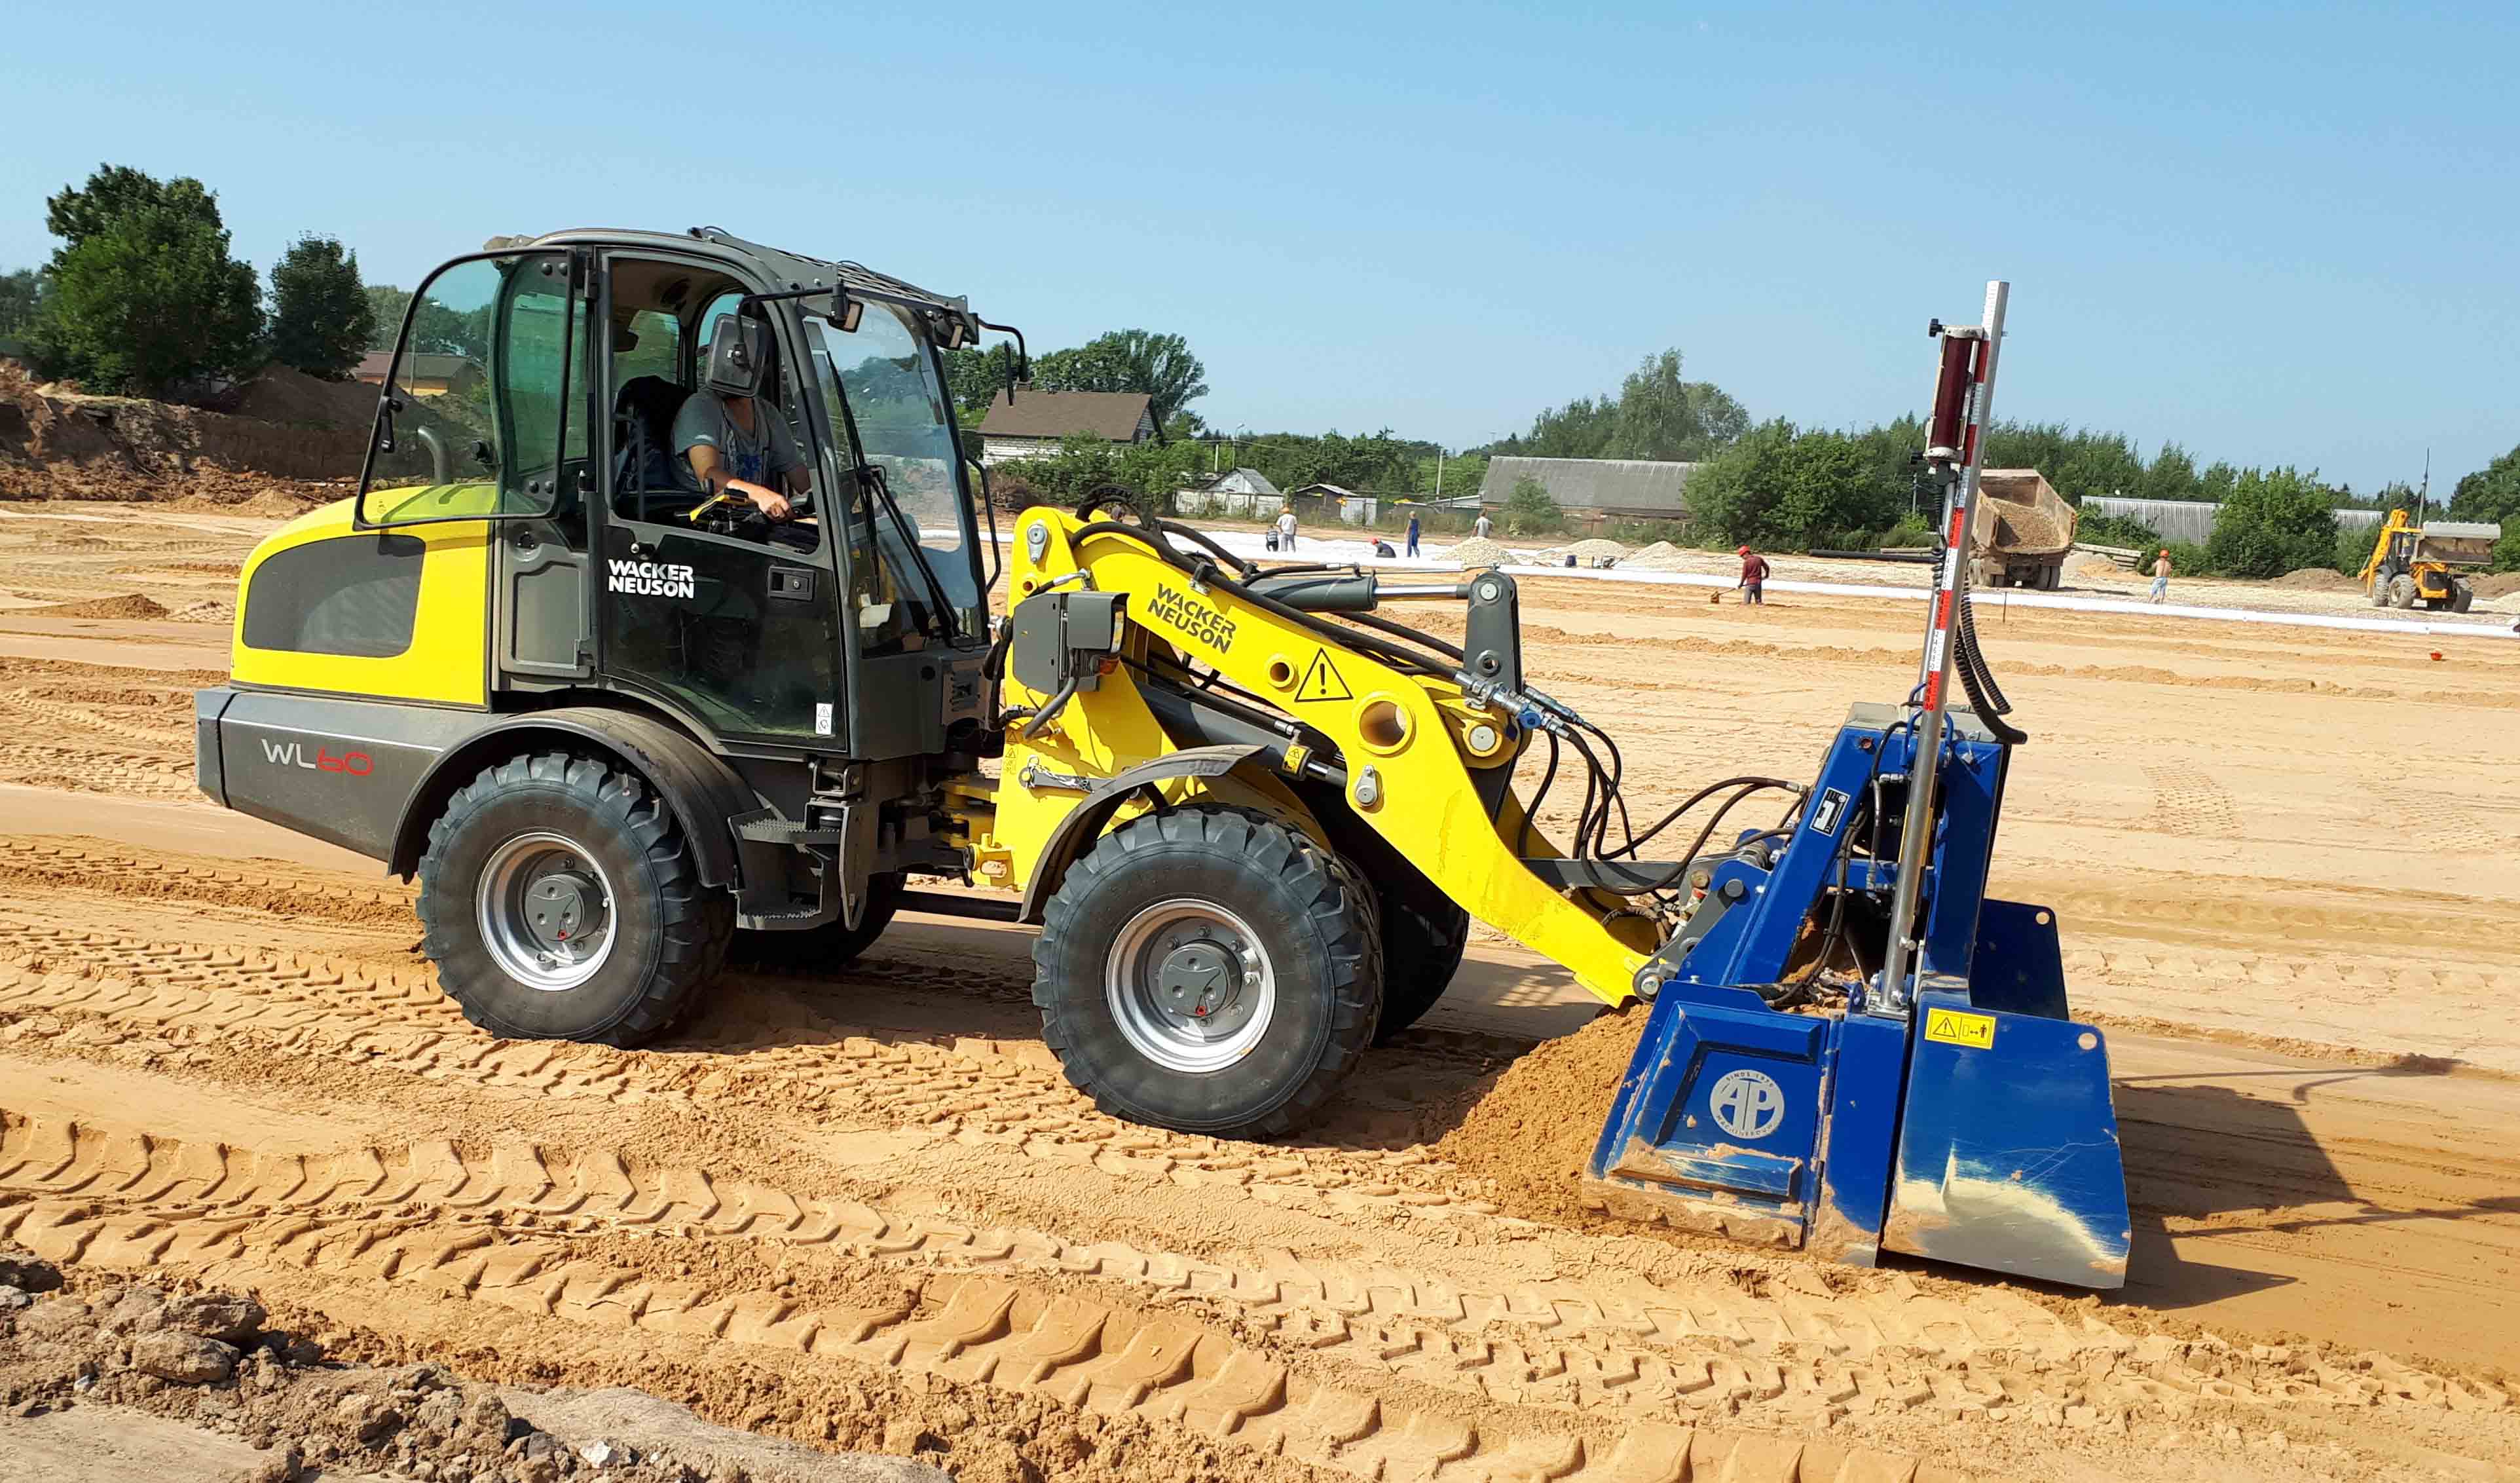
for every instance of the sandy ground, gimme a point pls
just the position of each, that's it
(2285, 865)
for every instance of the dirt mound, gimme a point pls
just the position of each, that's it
(1479, 550)
(2319, 579)
(130, 604)
(57, 444)
(1530, 1128)
(208, 1359)
(284, 395)
(2496, 584)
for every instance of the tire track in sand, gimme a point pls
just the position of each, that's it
(416, 1227)
(1892, 1340)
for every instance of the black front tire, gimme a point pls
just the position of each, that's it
(668, 931)
(821, 949)
(1314, 920)
(1423, 935)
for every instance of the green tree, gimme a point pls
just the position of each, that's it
(974, 375)
(321, 319)
(2170, 477)
(2491, 493)
(1778, 487)
(2276, 521)
(1128, 360)
(385, 306)
(1656, 415)
(1661, 416)
(1529, 510)
(20, 293)
(143, 294)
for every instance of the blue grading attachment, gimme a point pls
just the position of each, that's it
(1962, 1116)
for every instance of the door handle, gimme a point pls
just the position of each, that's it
(792, 584)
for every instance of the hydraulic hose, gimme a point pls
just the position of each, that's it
(1978, 681)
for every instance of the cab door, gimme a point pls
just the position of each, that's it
(733, 630)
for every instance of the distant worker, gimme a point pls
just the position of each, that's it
(1754, 576)
(1382, 548)
(1412, 532)
(2161, 575)
(1286, 530)
(1482, 526)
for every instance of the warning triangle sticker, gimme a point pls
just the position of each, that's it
(1322, 682)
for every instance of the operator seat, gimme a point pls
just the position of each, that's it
(648, 482)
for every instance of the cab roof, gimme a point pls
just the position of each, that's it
(779, 268)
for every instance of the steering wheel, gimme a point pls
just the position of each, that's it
(725, 514)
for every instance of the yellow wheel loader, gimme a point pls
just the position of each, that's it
(2415, 564)
(658, 636)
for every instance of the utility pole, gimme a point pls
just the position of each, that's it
(1439, 474)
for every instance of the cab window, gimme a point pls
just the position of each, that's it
(484, 404)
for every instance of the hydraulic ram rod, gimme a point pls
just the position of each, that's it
(1955, 401)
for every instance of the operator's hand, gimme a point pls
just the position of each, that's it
(770, 502)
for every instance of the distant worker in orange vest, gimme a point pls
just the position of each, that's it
(1754, 576)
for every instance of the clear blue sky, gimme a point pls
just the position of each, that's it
(2274, 233)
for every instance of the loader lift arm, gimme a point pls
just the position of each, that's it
(1417, 755)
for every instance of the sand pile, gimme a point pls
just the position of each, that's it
(1479, 550)
(130, 604)
(1530, 1129)
(2319, 579)
(2020, 527)
(2496, 584)
(1661, 555)
(1589, 552)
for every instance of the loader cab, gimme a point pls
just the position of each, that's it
(539, 389)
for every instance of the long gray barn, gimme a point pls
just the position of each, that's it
(2193, 520)
(1593, 490)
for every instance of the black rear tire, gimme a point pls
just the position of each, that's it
(2461, 598)
(666, 933)
(822, 948)
(1223, 871)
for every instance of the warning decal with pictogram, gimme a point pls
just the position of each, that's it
(1322, 682)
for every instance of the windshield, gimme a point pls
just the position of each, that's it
(893, 397)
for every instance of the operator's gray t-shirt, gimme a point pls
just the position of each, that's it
(758, 457)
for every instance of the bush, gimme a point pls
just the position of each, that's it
(2186, 560)
(2277, 521)
(2098, 529)
(1783, 489)
(1529, 510)
(1911, 530)
(2353, 549)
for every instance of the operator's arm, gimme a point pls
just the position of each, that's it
(716, 479)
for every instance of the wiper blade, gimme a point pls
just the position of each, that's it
(872, 475)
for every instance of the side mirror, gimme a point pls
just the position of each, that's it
(846, 311)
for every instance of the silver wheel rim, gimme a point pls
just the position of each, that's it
(546, 912)
(1190, 985)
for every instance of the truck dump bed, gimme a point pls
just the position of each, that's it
(2019, 514)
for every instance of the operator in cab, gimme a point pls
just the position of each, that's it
(735, 445)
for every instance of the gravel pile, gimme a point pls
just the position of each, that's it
(1479, 550)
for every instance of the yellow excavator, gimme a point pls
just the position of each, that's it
(629, 713)
(2415, 564)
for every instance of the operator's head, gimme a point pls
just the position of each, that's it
(738, 351)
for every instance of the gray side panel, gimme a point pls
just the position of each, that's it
(340, 771)
(905, 714)
(207, 767)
